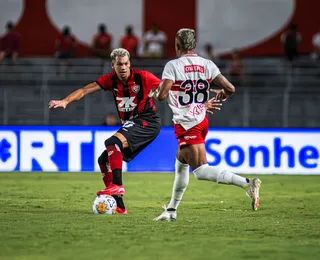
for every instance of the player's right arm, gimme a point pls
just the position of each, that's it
(75, 95)
(168, 78)
(104, 82)
(164, 89)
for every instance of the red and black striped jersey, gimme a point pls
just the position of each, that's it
(131, 98)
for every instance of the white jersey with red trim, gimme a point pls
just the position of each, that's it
(191, 76)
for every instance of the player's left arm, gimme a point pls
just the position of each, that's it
(227, 88)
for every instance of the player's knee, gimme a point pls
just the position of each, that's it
(200, 172)
(112, 141)
(103, 158)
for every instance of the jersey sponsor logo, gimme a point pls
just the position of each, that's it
(190, 137)
(126, 104)
(135, 88)
(193, 68)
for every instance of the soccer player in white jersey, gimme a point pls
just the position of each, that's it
(185, 86)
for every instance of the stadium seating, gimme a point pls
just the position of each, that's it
(272, 96)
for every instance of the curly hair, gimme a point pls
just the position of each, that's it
(187, 38)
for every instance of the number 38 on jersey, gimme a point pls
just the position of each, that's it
(195, 91)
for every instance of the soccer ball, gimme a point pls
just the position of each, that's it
(104, 204)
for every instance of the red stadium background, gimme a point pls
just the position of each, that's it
(38, 32)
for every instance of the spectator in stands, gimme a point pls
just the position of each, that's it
(65, 47)
(155, 42)
(291, 40)
(111, 120)
(236, 69)
(10, 44)
(130, 41)
(316, 46)
(65, 44)
(102, 42)
(208, 52)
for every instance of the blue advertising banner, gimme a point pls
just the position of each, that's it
(290, 151)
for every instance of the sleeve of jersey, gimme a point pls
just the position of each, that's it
(215, 71)
(104, 82)
(169, 72)
(152, 81)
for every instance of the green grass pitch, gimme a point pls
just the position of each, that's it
(49, 216)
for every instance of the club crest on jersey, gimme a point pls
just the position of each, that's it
(135, 88)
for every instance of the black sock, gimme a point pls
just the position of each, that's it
(119, 201)
(117, 176)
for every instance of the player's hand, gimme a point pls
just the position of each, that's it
(154, 93)
(212, 105)
(221, 95)
(58, 103)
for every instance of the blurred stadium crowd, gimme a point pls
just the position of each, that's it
(262, 80)
(152, 45)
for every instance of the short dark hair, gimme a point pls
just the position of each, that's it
(66, 30)
(9, 25)
(293, 26)
(102, 28)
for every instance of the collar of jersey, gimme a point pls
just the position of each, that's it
(190, 55)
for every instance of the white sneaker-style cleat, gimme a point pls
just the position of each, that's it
(253, 192)
(166, 215)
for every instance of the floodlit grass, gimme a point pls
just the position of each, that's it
(49, 216)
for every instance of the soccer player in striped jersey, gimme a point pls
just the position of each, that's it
(140, 121)
(185, 87)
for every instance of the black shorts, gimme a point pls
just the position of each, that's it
(139, 132)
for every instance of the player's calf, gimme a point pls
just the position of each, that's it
(114, 147)
(105, 169)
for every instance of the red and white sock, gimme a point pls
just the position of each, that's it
(115, 162)
(106, 174)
